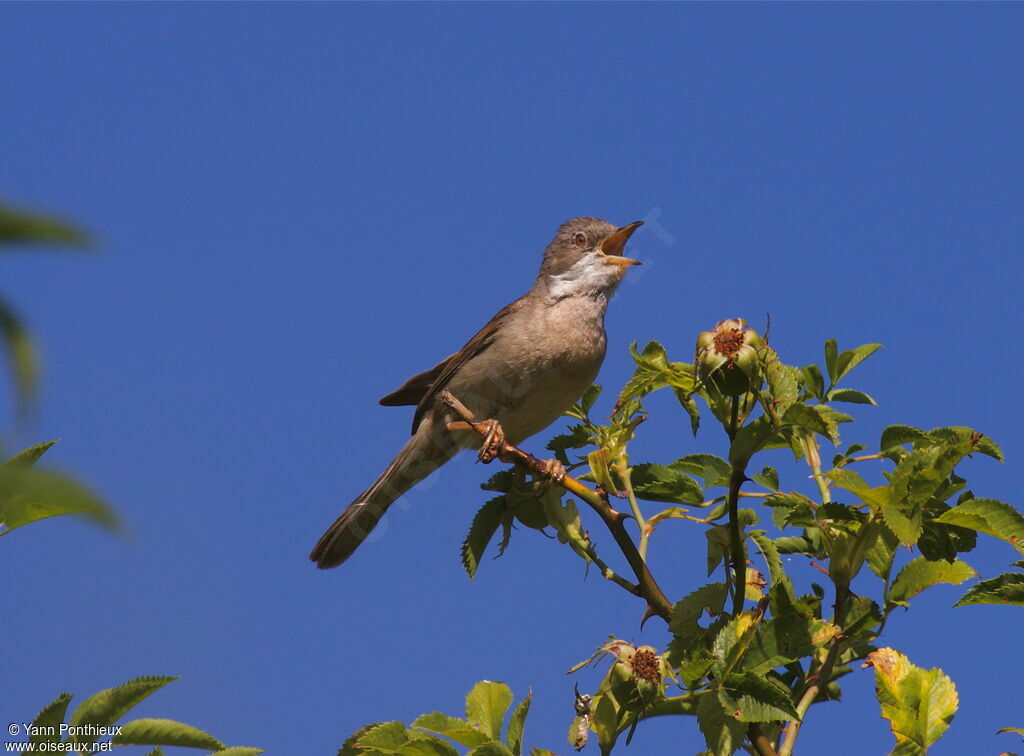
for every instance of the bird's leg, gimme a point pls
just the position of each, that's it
(494, 442)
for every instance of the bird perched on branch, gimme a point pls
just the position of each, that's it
(521, 371)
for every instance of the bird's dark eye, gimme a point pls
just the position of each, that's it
(580, 239)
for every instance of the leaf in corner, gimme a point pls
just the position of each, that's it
(989, 516)
(165, 732)
(28, 496)
(1005, 590)
(107, 706)
(28, 457)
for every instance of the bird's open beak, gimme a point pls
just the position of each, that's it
(613, 244)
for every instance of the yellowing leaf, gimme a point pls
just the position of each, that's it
(918, 703)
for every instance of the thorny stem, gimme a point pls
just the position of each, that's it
(647, 588)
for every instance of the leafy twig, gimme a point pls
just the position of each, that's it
(647, 588)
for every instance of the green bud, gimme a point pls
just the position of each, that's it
(727, 358)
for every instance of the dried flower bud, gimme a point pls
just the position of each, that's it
(727, 357)
(647, 666)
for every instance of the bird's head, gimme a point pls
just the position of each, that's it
(586, 257)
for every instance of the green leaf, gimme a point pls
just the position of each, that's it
(490, 749)
(481, 531)
(1018, 730)
(576, 437)
(989, 516)
(104, 708)
(1006, 589)
(752, 698)
(21, 355)
(918, 703)
(722, 732)
(486, 705)
(776, 574)
(459, 730)
(28, 457)
(28, 496)
(32, 228)
(535, 751)
(785, 639)
(898, 435)
(713, 470)
(158, 751)
(684, 620)
(516, 725)
(655, 482)
(165, 732)
(804, 416)
(654, 371)
(921, 573)
(850, 396)
(768, 477)
(350, 747)
(881, 552)
(49, 721)
(241, 751)
(813, 381)
(421, 744)
(791, 509)
(849, 359)
(831, 357)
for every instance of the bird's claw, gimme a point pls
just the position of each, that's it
(554, 470)
(494, 442)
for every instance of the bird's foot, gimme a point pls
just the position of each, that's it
(554, 471)
(494, 442)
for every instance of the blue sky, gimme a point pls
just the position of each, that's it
(299, 206)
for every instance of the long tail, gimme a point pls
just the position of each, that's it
(418, 458)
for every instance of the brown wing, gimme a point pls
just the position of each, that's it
(445, 370)
(414, 389)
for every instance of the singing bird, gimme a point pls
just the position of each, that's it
(521, 371)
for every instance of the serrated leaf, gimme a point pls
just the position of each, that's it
(239, 751)
(684, 619)
(656, 482)
(804, 416)
(28, 457)
(783, 640)
(421, 744)
(516, 725)
(768, 477)
(490, 749)
(713, 470)
(165, 732)
(104, 708)
(813, 380)
(576, 437)
(989, 516)
(850, 396)
(752, 698)
(831, 355)
(459, 730)
(27, 496)
(1005, 590)
(49, 720)
(654, 371)
(722, 733)
(486, 705)
(350, 746)
(850, 358)
(481, 531)
(920, 573)
(918, 703)
(898, 435)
